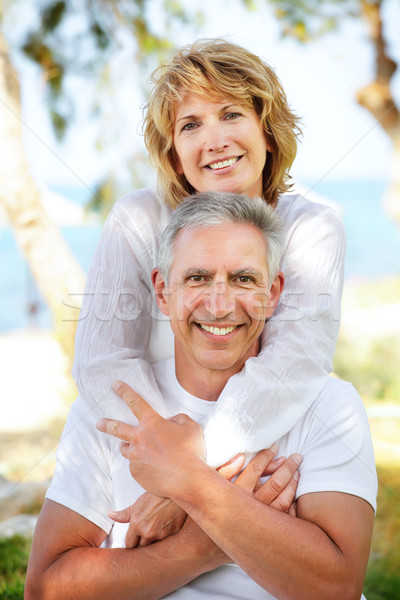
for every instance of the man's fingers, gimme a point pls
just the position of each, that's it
(122, 516)
(117, 429)
(138, 406)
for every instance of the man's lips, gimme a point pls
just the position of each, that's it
(222, 164)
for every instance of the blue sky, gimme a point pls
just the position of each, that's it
(340, 139)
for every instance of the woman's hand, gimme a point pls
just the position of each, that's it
(152, 518)
(279, 490)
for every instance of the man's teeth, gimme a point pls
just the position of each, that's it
(224, 163)
(218, 330)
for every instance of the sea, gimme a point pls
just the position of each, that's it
(373, 247)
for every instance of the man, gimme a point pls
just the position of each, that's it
(218, 282)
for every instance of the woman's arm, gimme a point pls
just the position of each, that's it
(120, 330)
(274, 390)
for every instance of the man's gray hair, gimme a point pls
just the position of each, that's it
(210, 209)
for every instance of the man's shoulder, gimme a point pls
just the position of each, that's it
(337, 392)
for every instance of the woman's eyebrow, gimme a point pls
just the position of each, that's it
(186, 117)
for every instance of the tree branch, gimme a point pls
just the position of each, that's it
(377, 97)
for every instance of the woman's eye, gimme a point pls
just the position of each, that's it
(232, 115)
(189, 126)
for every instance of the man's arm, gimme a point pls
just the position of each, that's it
(321, 554)
(67, 561)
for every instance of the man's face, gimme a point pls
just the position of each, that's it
(218, 296)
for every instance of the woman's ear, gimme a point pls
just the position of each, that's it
(177, 164)
(160, 289)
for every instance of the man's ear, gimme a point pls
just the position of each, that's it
(275, 293)
(160, 289)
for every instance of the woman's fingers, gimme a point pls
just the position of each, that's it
(274, 489)
(249, 477)
(232, 467)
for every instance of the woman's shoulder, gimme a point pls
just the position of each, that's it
(144, 199)
(142, 208)
(295, 210)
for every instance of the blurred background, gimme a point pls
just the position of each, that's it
(73, 78)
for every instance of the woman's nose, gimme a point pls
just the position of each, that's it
(216, 138)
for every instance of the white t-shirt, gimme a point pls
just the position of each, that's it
(121, 331)
(92, 477)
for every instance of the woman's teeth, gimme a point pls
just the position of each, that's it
(224, 163)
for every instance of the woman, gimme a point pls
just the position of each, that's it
(217, 119)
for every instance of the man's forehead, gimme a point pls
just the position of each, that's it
(231, 249)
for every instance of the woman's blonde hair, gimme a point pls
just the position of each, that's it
(216, 68)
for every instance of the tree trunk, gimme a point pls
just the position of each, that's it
(377, 98)
(53, 266)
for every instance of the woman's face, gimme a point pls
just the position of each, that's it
(220, 146)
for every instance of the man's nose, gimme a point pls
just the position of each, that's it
(220, 299)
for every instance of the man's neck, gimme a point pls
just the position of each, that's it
(206, 386)
(204, 382)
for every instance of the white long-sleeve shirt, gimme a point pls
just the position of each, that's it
(121, 331)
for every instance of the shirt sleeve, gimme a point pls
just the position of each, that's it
(82, 480)
(336, 445)
(274, 390)
(118, 311)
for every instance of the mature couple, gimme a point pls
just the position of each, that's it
(217, 281)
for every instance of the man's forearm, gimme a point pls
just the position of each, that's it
(148, 572)
(288, 556)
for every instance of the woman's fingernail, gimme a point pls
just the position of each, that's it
(274, 448)
(298, 459)
(116, 385)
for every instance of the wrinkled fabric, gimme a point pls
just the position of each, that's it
(121, 331)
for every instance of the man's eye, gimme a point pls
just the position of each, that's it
(196, 278)
(245, 279)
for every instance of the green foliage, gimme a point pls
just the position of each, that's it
(383, 575)
(371, 365)
(14, 554)
(52, 15)
(78, 39)
(306, 20)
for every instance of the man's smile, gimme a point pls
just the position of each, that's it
(219, 331)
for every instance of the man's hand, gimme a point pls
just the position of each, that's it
(152, 518)
(161, 452)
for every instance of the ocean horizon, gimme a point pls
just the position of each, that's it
(373, 247)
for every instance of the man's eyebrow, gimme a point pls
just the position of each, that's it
(196, 271)
(246, 271)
